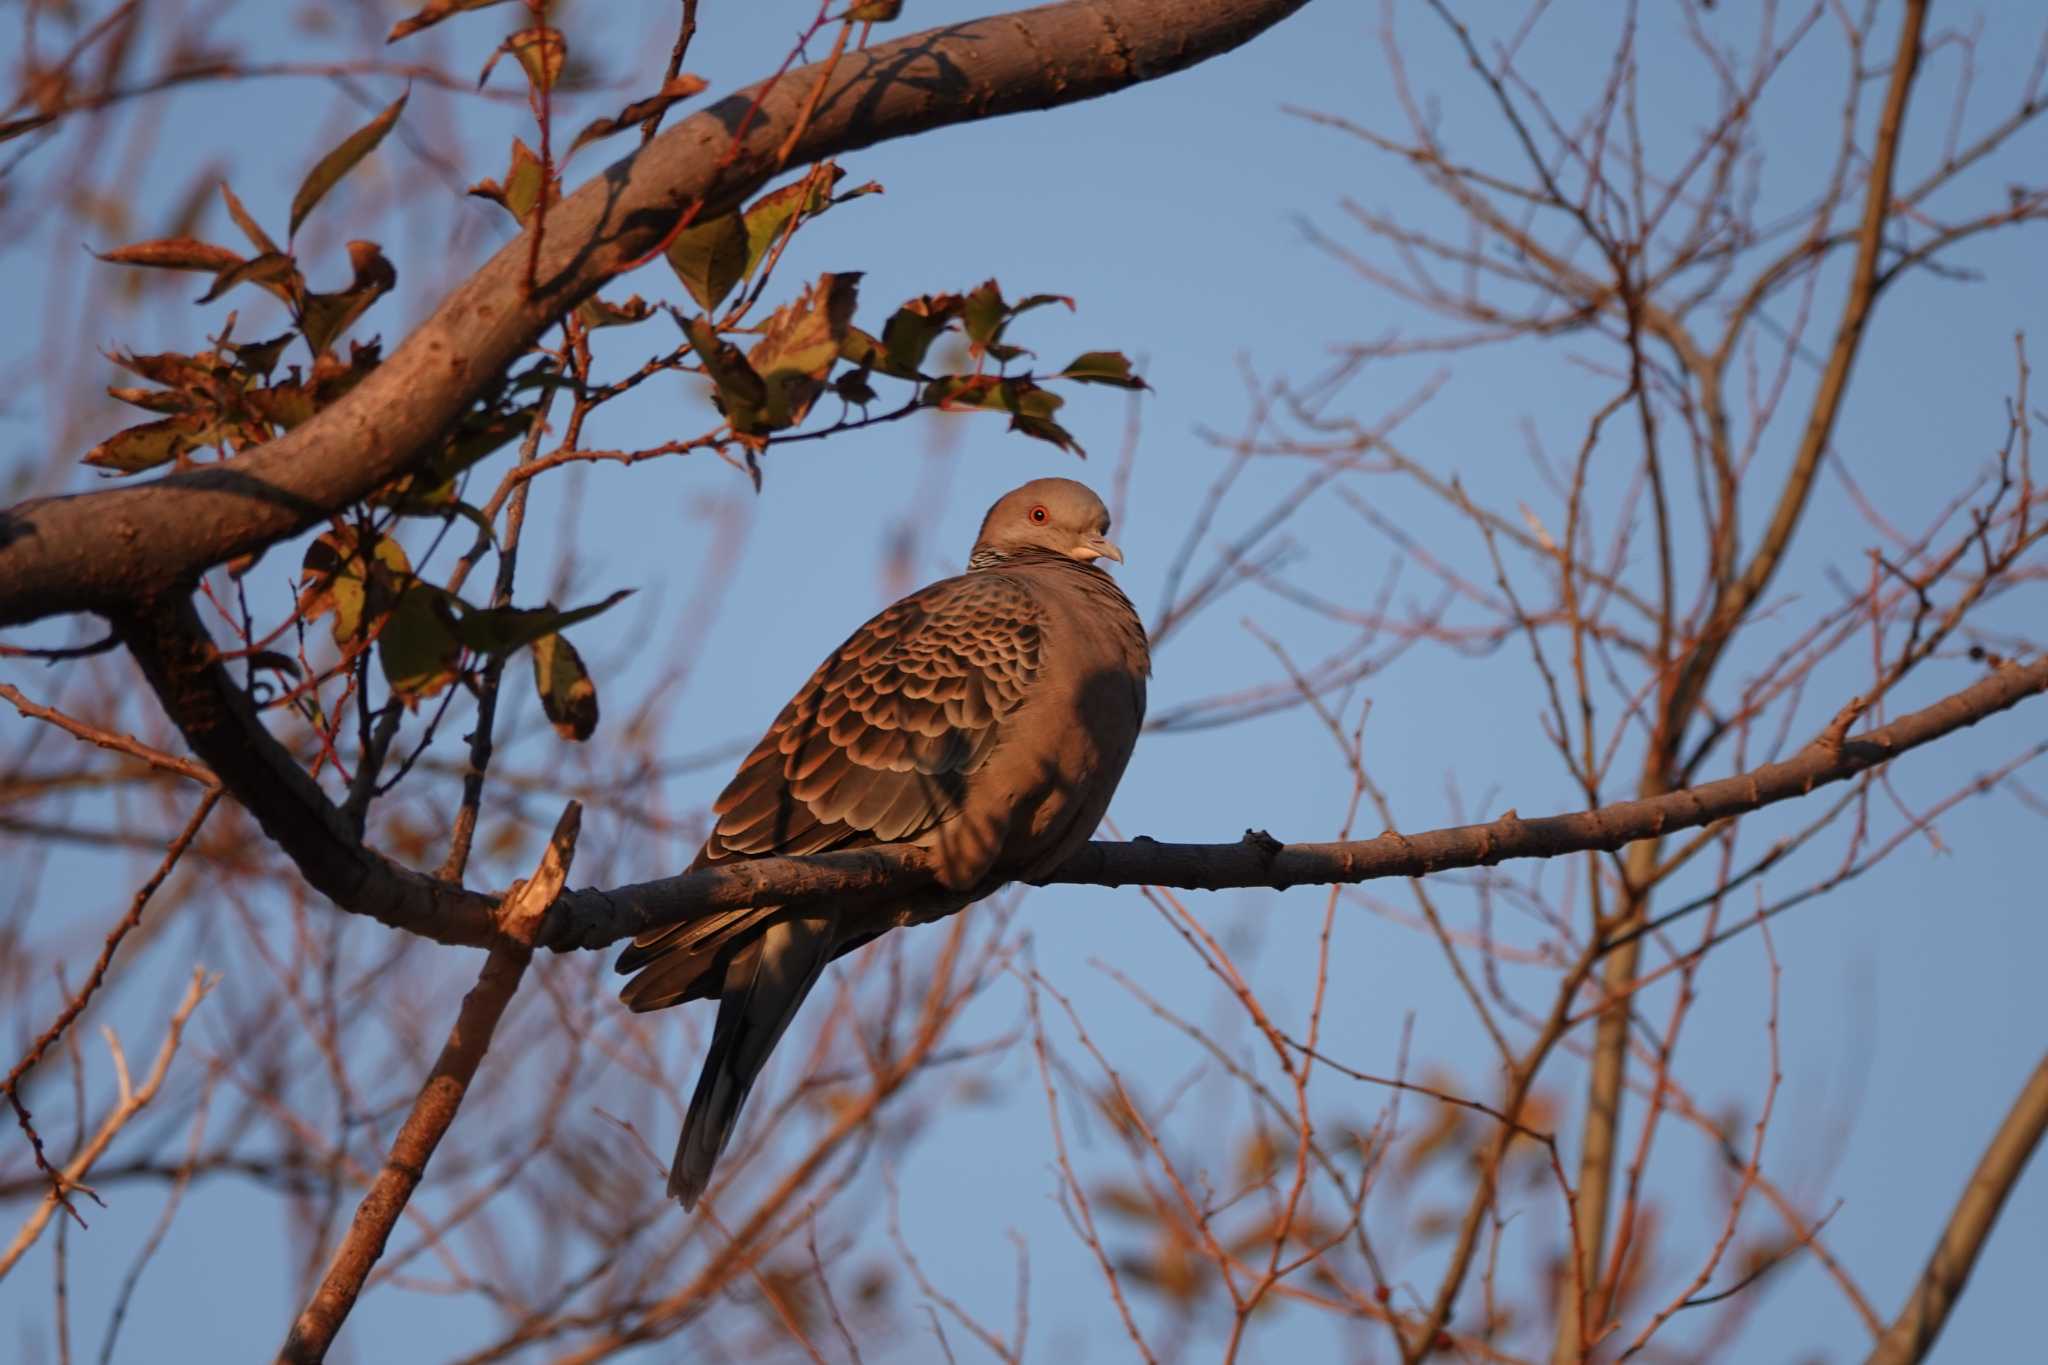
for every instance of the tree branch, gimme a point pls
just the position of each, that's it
(593, 919)
(103, 550)
(183, 667)
(435, 1107)
(218, 721)
(1912, 1335)
(130, 1100)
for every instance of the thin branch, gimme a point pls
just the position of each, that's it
(435, 1108)
(594, 918)
(130, 1102)
(1913, 1333)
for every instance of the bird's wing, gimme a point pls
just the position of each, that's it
(877, 747)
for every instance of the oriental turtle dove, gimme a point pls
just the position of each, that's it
(987, 718)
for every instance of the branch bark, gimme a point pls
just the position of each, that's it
(183, 667)
(1687, 686)
(434, 1110)
(104, 550)
(221, 725)
(593, 919)
(1912, 1335)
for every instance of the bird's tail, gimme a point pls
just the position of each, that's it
(765, 983)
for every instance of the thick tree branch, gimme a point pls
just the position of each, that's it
(592, 919)
(141, 542)
(183, 667)
(1913, 1334)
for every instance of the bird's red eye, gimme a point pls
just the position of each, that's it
(1039, 515)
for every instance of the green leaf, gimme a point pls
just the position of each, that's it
(1039, 301)
(852, 387)
(738, 390)
(417, 646)
(500, 630)
(1045, 429)
(1102, 367)
(323, 317)
(567, 695)
(911, 330)
(993, 392)
(274, 270)
(146, 446)
(985, 315)
(639, 111)
(339, 162)
(174, 253)
(800, 344)
(710, 258)
(1030, 406)
(259, 358)
(258, 238)
(433, 14)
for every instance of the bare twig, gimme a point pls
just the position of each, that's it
(130, 1100)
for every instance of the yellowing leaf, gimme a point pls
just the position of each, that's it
(174, 253)
(434, 14)
(521, 190)
(739, 391)
(541, 51)
(567, 694)
(323, 317)
(639, 111)
(801, 343)
(600, 312)
(331, 168)
(359, 588)
(274, 270)
(772, 214)
(244, 220)
(146, 446)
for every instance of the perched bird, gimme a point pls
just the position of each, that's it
(986, 717)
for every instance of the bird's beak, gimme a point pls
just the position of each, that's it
(1097, 547)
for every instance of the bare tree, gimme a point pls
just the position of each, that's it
(1676, 688)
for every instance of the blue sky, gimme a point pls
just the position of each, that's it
(1911, 1009)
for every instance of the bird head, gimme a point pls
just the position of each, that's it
(1056, 515)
